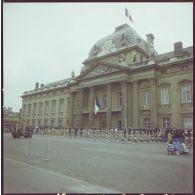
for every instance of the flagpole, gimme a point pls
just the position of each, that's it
(97, 105)
(93, 119)
(94, 111)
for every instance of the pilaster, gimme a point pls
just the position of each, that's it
(124, 104)
(91, 106)
(153, 103)
(80, 118)
(71, 109)
(108, 106)
(135, 104)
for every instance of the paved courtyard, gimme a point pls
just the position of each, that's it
(80, 165)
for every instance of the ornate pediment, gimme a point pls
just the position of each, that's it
(99, 69)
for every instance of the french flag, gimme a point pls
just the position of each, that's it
(97, 105)
(128, 15)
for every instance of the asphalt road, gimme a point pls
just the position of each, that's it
(78, 166)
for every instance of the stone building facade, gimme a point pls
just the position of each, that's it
(136, 87)
(10, 119)
(46, 105)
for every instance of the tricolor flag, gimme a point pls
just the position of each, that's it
(97, 105)
(128, 15)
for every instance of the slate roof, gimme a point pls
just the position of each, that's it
(124, 36)
(172, 54)
(56, 83)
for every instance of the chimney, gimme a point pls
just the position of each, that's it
(42, 85)
(150, 44)
(36, 85)
(178, 48)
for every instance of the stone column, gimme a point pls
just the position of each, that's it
(108, 106)
(71, 111)
(124, 104)
(135, 105)
(153, 104)
(80, 109)
(91, 106)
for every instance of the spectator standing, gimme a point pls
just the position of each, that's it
(177, 147)
(184, 149)
(170, 147)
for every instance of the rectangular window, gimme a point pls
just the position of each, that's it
(24, 110)
(119, 98)
(61, 105)
(53, 107)
(147, 123)
(33, 123)
(104, 100)
(40, 107)
(53, 122)
(77, 104)
(34, 108)
(28, 123)
(164, 95)
(46, 123)
(29, 109)
(46, 107)
(60, 122)
(186, 93)
(165, 122)
(188, 123)
(39, 123)
(146, 97)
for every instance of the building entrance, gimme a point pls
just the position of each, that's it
(102, 120)
(119, 124)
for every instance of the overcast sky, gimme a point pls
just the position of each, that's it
(44, 42)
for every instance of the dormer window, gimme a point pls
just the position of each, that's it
(138, 40)
(165, 59)
(95, 50)
(122, 37)
(134, 58)
(187, 54)
(141, 58)
(123, 42)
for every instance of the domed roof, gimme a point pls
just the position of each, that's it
(124, 36)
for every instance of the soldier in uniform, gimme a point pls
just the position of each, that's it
(81, 132)
(69, 132)
(75, 132)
